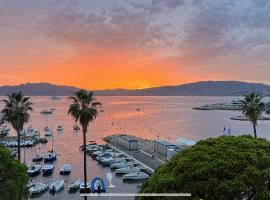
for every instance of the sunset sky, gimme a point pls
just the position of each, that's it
(98, 44)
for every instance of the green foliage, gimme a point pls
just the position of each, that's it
(253, 108)
(217, 168)
(16, 112)
(83, 107)
(13, 177)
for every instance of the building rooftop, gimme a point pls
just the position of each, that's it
(129, 138)
(165, 143)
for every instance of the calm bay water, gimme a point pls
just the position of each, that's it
(169, 117)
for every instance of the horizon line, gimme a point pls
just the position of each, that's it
(119, 88)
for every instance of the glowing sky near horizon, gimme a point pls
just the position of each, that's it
(133, 43)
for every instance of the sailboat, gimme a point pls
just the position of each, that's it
(51, 156)
(37, 157)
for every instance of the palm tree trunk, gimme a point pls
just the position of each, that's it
(19, 145)
(84, 162)
(255, 131)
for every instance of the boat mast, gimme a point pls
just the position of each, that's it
(52, 143)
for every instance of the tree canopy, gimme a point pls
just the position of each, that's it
(13, 177)
(227, 167)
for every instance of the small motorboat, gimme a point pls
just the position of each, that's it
(136, 176)
(98, 185)
(30, 129)
(37, 158)
(4, 130)
(56, 186)
(103, 156)
(74, 186)
(65, 169)
(88, 187)
(127, 170)
(96, 153)
(38, 188)
(46, 112)
(47, 170)
(30, 183)
(50, 157)
(111, 160)
(121, 165)
(33, 170)
(59, 128)
(76, 127)
(47, 131)
(36, 132)
(29, 143)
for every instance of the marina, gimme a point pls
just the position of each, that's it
(139, 131)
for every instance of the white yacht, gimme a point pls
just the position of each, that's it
(57, 185)
(33, 170)
(38, 188)
(121, 165)
(65, 169)
(127, 170)
(138, 175)
(111, 160)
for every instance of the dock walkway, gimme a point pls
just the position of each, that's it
(146, 160)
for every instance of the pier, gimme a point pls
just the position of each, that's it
(148, 161)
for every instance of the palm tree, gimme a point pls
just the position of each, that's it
(253, 108)
(16, 112)
(83, 109)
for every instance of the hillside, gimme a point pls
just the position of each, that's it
(208, 88)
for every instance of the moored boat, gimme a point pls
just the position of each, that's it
(47, 170)
(76, 127)
(136, 176)
(37, 158)
(46, 112)
(65, 169)
(74, 186)
(88, 187)
(33, 170)
(57, 186)
(50, 157)
(127, 170)
(59, 128)
(38, 188)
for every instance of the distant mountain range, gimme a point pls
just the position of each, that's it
(203, 88)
